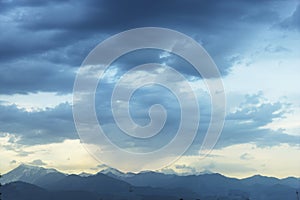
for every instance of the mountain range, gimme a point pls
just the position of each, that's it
(31, 182)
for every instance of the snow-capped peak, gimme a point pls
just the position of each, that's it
(26, 173)
(84, 174)
(114, 172)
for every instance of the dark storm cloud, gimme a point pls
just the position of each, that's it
(139, 57)
(17, 42)
(118, 15)
(65, 31)
(6, 5)
(42, 43)
(39, 127)
(25, 76)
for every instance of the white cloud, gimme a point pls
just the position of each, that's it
(35, 101)
(259, 160)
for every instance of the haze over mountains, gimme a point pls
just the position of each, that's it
(30, 182)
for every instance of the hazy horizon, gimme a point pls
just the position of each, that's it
(168, 172)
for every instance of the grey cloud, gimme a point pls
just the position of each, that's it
(276, 49)
(44, 42)
(63, 32)
(10, 4)
(13, 145)
(140, 103)
(25, 76)
(17, 42)
(22, 153)
(260, 115)
(167, 171)
(100, 15)
(246, 156)
(13, 162)
(247, 124)
(99, 167)
(187, 169)
(229, 167)
(39, 127)
(38, 162)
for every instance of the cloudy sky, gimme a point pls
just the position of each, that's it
(255, 45)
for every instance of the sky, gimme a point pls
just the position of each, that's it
(254, 44)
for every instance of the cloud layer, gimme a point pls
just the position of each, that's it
(43, 43)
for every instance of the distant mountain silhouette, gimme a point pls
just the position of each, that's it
(97, 183)
(31, 174)
(113, 184)
(26, 191)
(34, 175)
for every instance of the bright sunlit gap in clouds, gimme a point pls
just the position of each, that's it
(36, 101)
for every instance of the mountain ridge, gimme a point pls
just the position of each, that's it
(117, 173)
(144, 185)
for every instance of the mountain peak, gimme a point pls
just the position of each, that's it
(112, 172)
(84, 174)
(259, 176)
(26, 173)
